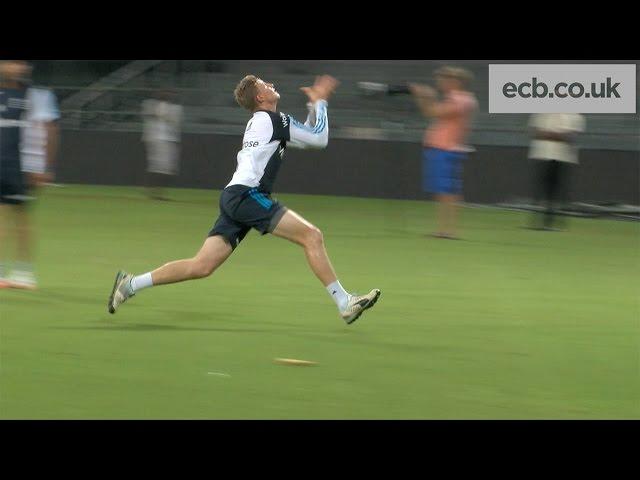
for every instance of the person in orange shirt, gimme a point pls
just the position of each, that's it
(444, 141)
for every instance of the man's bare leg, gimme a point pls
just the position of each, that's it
(296, 229)
(6, 229)
(441, 215)
(447, 213)
(21, 275)
(23, 234)
(451, 213)
(213, 253)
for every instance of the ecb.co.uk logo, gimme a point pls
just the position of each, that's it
(562, 88)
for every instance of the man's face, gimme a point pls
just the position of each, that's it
(15, 70)
(266, 92)
(446, 84)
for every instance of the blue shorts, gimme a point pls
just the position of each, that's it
(243, 208)
(13, 188)
(442, 171)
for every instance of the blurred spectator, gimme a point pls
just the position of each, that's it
(28, 140)
(40, 138)
(445, 152)
(554, 153)
(162, 118)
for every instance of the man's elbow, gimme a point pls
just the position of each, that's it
(322, 144)
(319, 143)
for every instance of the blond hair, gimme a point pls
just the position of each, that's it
(461, 74)
(246, 91)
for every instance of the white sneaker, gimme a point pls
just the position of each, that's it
(358, 304)
(121, 291)
(22, 279)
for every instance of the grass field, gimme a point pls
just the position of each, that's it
(510, 323)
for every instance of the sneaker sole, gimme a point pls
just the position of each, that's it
(367, 307)
(113, 291)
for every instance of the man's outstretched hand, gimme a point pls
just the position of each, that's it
(322, 89)
(422, 91)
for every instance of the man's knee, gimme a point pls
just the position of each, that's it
(313, 238)
(202, 268)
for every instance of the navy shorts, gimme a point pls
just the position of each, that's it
(13, 189)
(243, 208)
(442, 171)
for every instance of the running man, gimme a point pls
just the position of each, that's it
(246, 201)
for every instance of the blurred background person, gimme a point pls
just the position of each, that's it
(162, 117)
(444, 141)
(40, 138)
(553, 152)
(26, 115)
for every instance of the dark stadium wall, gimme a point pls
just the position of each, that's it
(347, 167)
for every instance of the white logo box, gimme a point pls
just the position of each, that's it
(570, 88)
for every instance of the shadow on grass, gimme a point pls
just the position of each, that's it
(147, 327)
(507, 244)
(15, 296)
(53, 295)
(142, 198)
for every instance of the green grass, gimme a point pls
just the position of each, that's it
(510, 323)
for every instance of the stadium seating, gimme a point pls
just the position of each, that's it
(206, 88)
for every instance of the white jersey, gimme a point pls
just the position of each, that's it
(557, 123)
(162, 121)
(43, 108)
(266, 138)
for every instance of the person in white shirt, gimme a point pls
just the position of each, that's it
(40, 138)
(162, 119)
(246, 201)
(554, 153)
